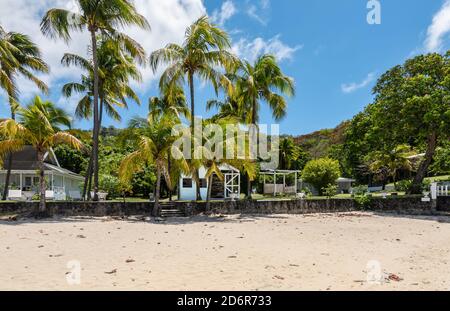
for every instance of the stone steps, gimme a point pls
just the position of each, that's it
(170, 210)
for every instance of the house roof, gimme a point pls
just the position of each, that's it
(26, 160)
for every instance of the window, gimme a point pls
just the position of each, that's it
(187, 183)
(203, 183)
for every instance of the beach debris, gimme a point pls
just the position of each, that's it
(80, 236)
(55, 256)
(114, 271)
(278, 277)
(394, 277)
(130, 260)
(232, 257)
(40, 246)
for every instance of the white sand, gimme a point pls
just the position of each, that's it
(313, 252)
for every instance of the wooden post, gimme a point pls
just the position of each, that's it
(274, 184)
(296, 183)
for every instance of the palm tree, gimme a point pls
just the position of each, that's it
(19, 56)
(212, 163)
(116, 69)
(262, 82)
(203, 50)
(154, 145)
(39, 126)
(389, 162)
(96, 16)
(172, 102)
(289, 153)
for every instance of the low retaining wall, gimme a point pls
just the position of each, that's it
(443, 204)
(406, 205)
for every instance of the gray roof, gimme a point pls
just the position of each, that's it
(26, 160)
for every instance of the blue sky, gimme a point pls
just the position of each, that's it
(327, 46)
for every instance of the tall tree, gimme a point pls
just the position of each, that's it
(19, 56)
(205, 48)
(412, 106)
(116, 69)
(96, 16)
(389, 162)
(154, 141)
(263, 81)
(39, 126)
(289, 153)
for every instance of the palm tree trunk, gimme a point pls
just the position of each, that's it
(416, 187)
(96, 114)
(208, 196)
(191, 86)
(87, 179)
(249, 182)
(42, 186)
(8, 166)
(155, 212)
(169, 164)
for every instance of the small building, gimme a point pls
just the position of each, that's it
(24, 180)
(279, 183)
(345, 185)
(229, 188)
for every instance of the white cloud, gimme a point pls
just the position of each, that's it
(250, 50)
(354, 86)
(439, 29)
(227, 11)
(168, 18)
(259, 11)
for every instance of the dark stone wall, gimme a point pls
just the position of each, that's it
(408, 205)
(443, 204)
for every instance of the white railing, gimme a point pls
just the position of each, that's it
(438, 190)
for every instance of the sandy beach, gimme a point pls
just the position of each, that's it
(278, 252)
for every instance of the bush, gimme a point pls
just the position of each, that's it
(111, 185)
(403, 185)
(363, 201)
(321, 172)
(360, 190)
(330, 190)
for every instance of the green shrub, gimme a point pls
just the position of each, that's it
(403, 185)
(111, 185)
(360, 190)
(330, 190)
(363, 201)
(321, 172)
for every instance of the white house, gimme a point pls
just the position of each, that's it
(226, 189)
(24, 180)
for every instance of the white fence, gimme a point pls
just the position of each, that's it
(439, 190)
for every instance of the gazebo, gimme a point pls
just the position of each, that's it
(276, 188)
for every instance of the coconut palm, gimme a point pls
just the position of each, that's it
(204, 50)
(116, 69)
(173, 101)
(96, 16)
(154, 146)
(389, 162)
(40, 125)
(289, 153)
(213, 159)
(263, 81)
(19, 56)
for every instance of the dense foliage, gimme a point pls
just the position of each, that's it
(321, 173)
